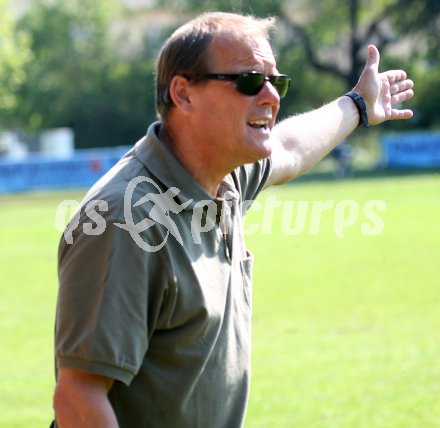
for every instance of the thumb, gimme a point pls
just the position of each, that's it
(373, 57)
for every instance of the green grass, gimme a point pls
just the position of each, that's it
(28, 248)
(346, 331)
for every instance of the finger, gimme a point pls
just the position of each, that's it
(401, 86)
(402, 96)
(401, 114)
(395, 75)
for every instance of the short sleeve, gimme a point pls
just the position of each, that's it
(250, 180)
(104, 316)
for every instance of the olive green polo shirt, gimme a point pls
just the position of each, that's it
(155, 291)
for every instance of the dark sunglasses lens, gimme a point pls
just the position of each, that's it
(281, 84)
(250, 84)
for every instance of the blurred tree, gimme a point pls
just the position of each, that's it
(79, 79)
(70, 48)
(325, 42)
(15, 53)
(421, 20)
(62, 65)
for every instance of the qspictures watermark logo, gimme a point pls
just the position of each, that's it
(290, 217)
(293, 218)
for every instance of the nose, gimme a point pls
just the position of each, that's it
(269, 95)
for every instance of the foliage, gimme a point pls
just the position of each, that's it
(257, 8)
(62, 64)
(79, 79)
(324, 43)
(15, 53)
(418, 22)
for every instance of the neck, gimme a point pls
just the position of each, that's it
(203, 165)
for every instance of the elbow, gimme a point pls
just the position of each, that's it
(64, 406)
(61, 405)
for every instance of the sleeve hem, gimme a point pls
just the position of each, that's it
(99, 368)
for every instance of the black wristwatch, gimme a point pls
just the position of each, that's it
(362, 108)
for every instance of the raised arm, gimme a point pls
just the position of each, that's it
(303, 140)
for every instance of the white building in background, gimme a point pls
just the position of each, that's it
(11, 147)
(58, 143)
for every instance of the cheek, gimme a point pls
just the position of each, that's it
(228, 116)
(224, 109)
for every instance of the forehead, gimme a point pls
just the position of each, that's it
(228, 53)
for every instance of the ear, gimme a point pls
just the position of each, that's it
(180, 90)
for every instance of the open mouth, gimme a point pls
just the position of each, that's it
(259, 124)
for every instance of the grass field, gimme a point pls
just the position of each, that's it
(346, 330)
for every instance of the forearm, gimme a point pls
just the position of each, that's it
(299, 142)
(78, 402)
(86, 412)
(308, 137)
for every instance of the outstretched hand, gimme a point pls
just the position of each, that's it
(382, 92)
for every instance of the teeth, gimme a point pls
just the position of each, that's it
(259, 123)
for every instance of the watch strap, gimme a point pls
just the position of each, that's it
(362, 108)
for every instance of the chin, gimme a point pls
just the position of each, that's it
(262, 151)
(264, 148)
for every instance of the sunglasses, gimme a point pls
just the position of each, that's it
(252, 83)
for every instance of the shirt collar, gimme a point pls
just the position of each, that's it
(163, 165)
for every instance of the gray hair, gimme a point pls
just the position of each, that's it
(186, 50)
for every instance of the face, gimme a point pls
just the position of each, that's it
(237, 126)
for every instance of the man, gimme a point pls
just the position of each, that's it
(153, 317)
